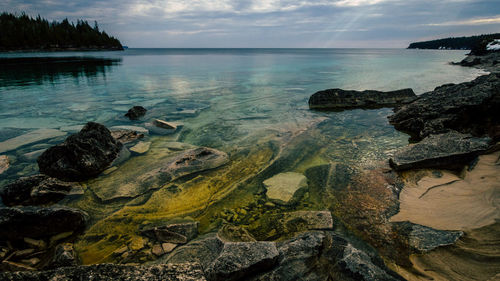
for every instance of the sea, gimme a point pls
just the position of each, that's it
(250, 103)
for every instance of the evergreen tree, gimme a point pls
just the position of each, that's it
(26, 33)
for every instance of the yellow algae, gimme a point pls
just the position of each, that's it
(194, 194)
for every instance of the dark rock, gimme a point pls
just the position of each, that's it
(243, 259)
(424, 239)
(445, 151)
(338, 99)
(64, 255)
(126, 136)
(325, 255)
(111, 272)
(136, 112)
(203, 250)
(470, 107)
(35, 222)
(81, 156)
(37, 190)
(179, 233)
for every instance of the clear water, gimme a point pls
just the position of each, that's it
(244, 99)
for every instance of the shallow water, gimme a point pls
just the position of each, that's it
(250, 103)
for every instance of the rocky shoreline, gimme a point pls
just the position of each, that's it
(361, 239)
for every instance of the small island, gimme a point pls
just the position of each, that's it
(24, 33)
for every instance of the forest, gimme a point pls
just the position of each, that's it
(22, 32)
(474, 43)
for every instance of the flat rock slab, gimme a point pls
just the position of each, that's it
(338, 99)
(166, 168)
(37, 190)
(31, 137)
(35, 222)
(141, 147)
(111, 272)
(444, 151)
(240, 259)
(4, 163)
(282, 187)
(425, 238)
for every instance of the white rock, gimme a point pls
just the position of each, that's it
(282, 187)
(141, 147)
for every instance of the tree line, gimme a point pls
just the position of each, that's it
(474, 43)
(22, 32)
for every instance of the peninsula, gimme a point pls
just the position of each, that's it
(24, 33)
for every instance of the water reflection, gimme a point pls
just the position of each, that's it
(22, 71)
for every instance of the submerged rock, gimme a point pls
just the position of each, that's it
(81, 156)
(136, 112)
(4, 163)
(282, 187)
(28, 138)
(165, 170)
(64, 255)
(126, 136)
(445, 151)
(178, 233)
(141, 147)
(110, 272)
(470, 107)
(338, 99)
(35, 222)
(37, 190)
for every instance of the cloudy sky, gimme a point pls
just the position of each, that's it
(273, 23)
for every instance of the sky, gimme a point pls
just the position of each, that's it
(273, 23)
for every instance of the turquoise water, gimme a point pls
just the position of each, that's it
(249, 103)
(234, 92)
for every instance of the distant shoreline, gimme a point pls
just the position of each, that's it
(62, 50)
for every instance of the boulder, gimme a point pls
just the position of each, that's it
(338, 99)
(444, 151)
(470, 108)
(4, 163)
(110, 272)
(136, 112)
(37, 190)
(125, 136)
(81, 156)
(241, 259)
(36, 222)
(282, 187)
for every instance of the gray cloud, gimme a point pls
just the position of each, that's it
(273, 23)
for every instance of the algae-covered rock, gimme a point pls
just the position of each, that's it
(4, 163)
(178, 233)
(154, 170)
(282, 187)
